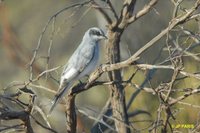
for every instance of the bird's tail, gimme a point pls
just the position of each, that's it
(57, 98)
(54, 103)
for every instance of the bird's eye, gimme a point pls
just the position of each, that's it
(95, 32)
(98, 33)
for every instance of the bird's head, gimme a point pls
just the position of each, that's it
(96, 34)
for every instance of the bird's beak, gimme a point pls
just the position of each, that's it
(105, 36)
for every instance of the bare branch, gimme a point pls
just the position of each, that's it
(195, 91)
(112, 9)
(105, 15)
(142, 12)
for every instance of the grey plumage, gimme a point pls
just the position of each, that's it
(82, 62)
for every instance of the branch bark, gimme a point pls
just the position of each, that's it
(118, 103)
(70, 113)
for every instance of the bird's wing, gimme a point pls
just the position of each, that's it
(76, 64)
(65, 83)
(85, 56)
(68, 75)
(74, 67)
(66, 80)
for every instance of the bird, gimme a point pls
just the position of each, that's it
(83, 61)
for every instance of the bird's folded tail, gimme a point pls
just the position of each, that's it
(57, 99)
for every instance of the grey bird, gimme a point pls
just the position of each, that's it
(82, 62)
